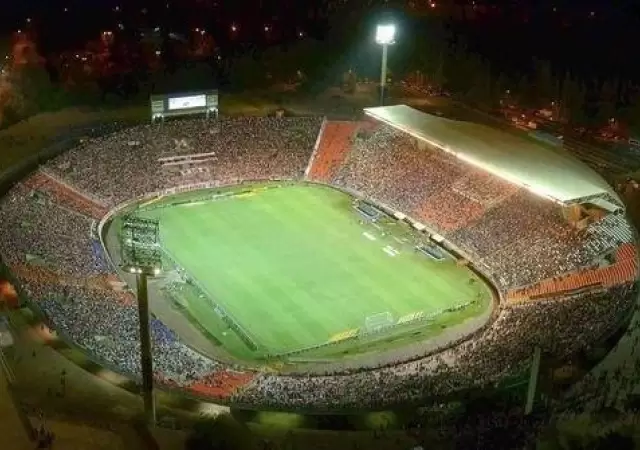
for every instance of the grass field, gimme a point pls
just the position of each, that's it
(296, 265)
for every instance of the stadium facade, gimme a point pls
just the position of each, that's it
(549, 233)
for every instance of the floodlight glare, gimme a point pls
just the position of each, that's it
(385, 34)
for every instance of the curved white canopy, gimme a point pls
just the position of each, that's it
(547, 171)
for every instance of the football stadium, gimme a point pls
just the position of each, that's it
(313, 264)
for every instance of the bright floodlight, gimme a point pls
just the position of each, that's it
(385, 34)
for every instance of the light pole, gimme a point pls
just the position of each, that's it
(385, 36)
(141, 255)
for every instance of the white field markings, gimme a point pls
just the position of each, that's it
(391, 251)
(388, 249)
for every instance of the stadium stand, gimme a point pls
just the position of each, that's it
(332, 149)
(483, 188)
(503, 348)
(245, 149)
(448, 210)
(222, 384)
(623, 271)
(40, 181)
(583, 281)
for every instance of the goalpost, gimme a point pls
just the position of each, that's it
(378, 322)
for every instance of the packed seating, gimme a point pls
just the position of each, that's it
(389, 167)
(525, 239)
(519, 236)
(478, 363)
(40, 231)
(622, 271)
(483, 187)
(222, 384)
(49, 242)
(332, 149)
(448, 211)
(108, 328)
(63, 195)
(124, 165)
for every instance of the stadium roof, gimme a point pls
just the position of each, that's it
(546, 171)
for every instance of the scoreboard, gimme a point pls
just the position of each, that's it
(171, 105)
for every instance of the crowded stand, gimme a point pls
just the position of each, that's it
(454, 199)
(48, 240)
(504, 348)
(483, 188)
(449, 210)
(63, 195)
(534, 242)
(47, 234)
(334, 145)
(387, 166)
(245, 149)
(109, 328)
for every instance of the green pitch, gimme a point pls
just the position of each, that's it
(296, 266)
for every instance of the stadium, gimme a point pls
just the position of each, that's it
(321, 265)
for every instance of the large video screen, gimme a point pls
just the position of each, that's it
(192, 101)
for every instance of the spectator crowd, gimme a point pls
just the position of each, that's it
(47, 238)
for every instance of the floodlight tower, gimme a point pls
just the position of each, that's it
(141, 255)
(385, 36)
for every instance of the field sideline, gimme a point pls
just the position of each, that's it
(296, 266)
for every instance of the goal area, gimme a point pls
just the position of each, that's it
(378, 322)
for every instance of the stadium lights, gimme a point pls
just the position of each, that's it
(385, 36)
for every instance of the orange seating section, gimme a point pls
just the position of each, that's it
(65, 196)
(333, 148)
(42, 275)
(624, 270)
(36, 273)
(221, 384)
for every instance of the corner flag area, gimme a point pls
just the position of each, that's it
(272, 270)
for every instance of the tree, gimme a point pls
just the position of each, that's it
(615, 440)
(439, 79)
(574, 101)
(247, 72)
(544, 84)
(523, 90)
(608, 101)
(632, 113)
(26, 87)
(480, 92)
